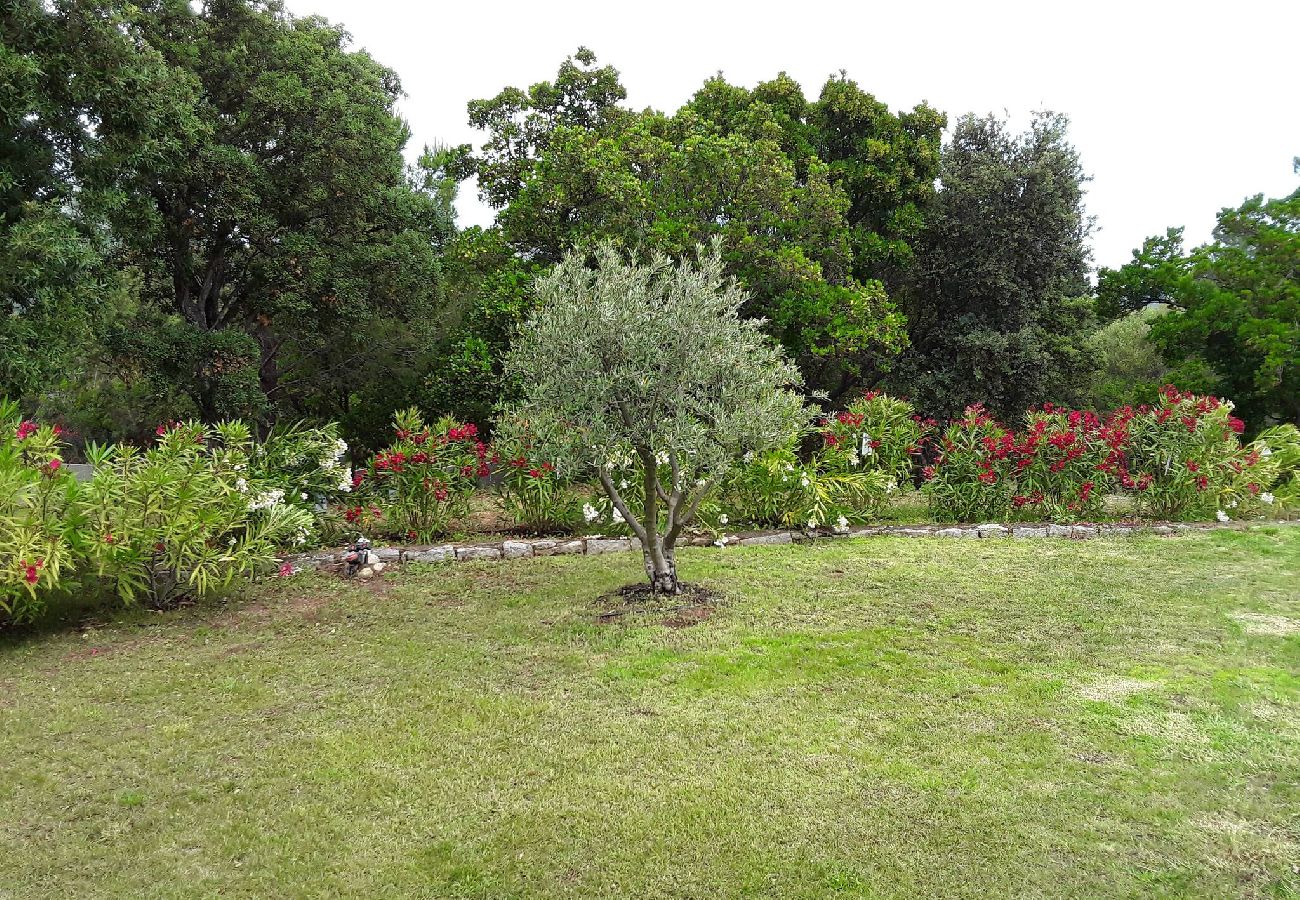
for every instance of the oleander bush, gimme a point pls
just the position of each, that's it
(1181, 454)
(306, 462)
(875, 432)
(968, 480)
(1178, 458)
(531, 490)
(424, 479)
(1266, 476)
(180, 519)
(777, 489)
(38, 511)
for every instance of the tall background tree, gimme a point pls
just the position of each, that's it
(1233, 324)
(51, 273)
(814, 202)
(243, 169)
(998, 304)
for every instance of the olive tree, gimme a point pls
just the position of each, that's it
(649, 360)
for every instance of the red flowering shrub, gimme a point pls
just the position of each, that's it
(1181, 454)
(179, 519)
(1266, 475)
(1060, 467)
(421, 481)
(876, 432)
(972, 477)
(37, 537)
(1063, 463)
(531, 490)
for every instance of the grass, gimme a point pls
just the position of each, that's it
(891, 717)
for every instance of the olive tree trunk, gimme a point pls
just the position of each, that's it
(659, 544)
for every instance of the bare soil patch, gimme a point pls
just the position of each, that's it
(695, 604)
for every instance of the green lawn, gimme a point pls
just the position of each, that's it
(889, 717)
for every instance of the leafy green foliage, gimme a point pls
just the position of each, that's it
(180, 518)
(777, 489)
(814, 202)
(875, 432)
(38, 538)
(996, 309)
(1182, 454)
(422, 480)
(247, 166)
(1130, 371)
(650, 361)
(1234, 304)
(530, 489)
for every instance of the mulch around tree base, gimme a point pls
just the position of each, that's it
(695, 604)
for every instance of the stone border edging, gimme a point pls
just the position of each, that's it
(596, 545)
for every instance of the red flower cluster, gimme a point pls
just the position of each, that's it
(32, 571)
(394, 461)
(25, 430)
(521, 462)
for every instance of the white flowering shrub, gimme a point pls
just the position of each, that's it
(180, 519)
(651, 360)
(1266, 479)
(301, 465)
(777, 489)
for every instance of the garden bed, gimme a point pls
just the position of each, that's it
(596, 545)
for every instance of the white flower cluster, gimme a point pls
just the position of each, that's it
(332, 462)
(841, 524)
(1266, 497)
(1222, 516)
(267, 500)
(589, 512)
(618, 460)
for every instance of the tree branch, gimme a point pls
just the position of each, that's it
(617, 499)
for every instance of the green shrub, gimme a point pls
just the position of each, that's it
(422, 480)
(777, 489)
(1181, 454)
(306, 462)
(532, 491)
(181, 518)
(969, 480)
(1266, 476)
(38, 535)
(875, 432)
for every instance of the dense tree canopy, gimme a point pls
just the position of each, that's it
(814, 202)
(249, 167)
(205, 210)
(1235, 304)
(998, 308)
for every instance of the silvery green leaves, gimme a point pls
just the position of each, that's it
(650, 359)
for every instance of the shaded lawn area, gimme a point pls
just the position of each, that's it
(889, 717)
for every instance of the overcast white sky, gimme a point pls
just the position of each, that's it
(1178, 108)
